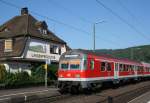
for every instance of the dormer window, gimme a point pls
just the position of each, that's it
(40, 30)
(42, 27)
(8, 45)
(44, 31)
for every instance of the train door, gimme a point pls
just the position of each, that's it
(116, 71)
(91, 68)
(135, 70)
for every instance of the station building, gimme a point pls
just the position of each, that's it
(24, 41)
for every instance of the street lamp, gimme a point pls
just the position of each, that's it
(94, 32)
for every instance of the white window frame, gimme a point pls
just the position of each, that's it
(8, 47)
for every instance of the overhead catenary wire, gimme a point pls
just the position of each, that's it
(133, 18)
(70, 11)
(130, 13)
(59, 22)
(123, 20)
(48, 18)
(79, 17)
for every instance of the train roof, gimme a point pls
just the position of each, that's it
(146, 64)
(103, 56)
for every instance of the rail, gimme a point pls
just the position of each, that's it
(127, 96)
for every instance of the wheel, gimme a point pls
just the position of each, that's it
(74, 90)
(87, 91)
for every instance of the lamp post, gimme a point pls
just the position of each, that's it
(94, 32)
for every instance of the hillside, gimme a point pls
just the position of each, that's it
(138, 53)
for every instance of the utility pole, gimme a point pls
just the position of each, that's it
(94, 33)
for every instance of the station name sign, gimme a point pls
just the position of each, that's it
(42, 56)
(71, 56)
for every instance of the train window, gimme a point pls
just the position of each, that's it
(92, 64)
(103, 66)
(108, 66)
(128, 67)
(85, 64)
(64, 66)
(124, 67)
(136, 68)
(140, 68)
(74, 66)
(120, 67)
(147, 69)
(132, 67)
(116, 66)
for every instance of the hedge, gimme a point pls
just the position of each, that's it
(22, 79)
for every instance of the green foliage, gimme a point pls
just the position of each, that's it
(2, 72)
(52, 71)
(17, 79)
(138, 53)
(22, 79)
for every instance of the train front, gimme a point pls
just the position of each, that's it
(71, 71)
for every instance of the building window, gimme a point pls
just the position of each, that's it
(8, 45)
(59, 51)
(54, 49)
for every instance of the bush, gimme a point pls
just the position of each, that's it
(17, 79)
(2, 73)
(52, 71)
(22, 79)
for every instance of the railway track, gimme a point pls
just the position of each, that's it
(120, 95)
(47, 99)
(127, 96)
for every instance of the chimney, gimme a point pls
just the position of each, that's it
(24, 11)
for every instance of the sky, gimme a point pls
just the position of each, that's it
(73, 20)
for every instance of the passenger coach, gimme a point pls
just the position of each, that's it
(82, 69)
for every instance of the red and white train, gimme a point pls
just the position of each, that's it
(82, 69)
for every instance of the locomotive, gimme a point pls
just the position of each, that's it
(86, 70)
